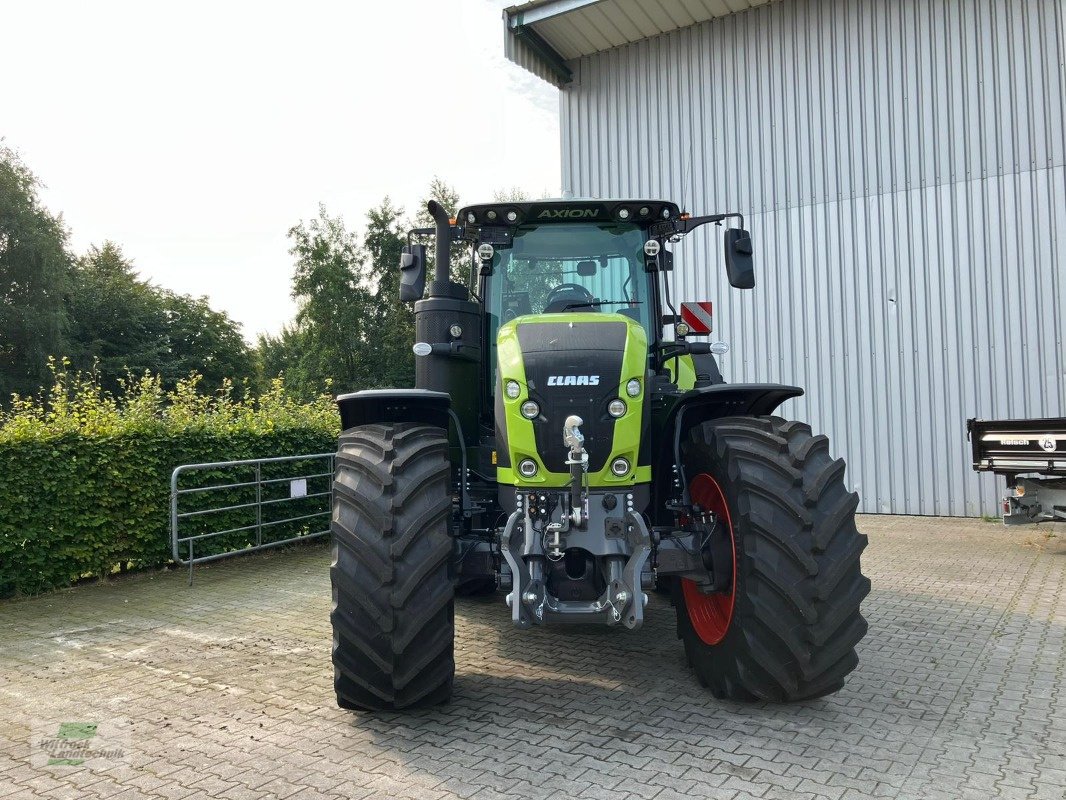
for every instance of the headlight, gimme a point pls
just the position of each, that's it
(633, 387)
(681, 329)
(530, 409)
(528, 468)
(616, 407)
(619, 467)
(456, 331)
(513, 389)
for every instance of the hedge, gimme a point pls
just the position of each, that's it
(85, 478)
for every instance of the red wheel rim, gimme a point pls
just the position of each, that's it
(710, 614)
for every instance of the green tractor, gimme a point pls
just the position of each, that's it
(558, 449)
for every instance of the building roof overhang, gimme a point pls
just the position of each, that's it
(543, 36)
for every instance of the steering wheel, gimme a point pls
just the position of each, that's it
(579, 294)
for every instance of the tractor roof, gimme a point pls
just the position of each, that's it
(592, 210)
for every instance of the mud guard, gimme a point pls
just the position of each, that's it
(711, 402)
(731, 400)
(372, 406)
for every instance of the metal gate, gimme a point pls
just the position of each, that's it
(228, 508)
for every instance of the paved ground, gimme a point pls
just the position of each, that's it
(223, 690)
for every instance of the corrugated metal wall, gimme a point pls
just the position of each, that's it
(903, 168)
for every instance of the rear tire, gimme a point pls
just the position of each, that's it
(393, 607)
(790, 628)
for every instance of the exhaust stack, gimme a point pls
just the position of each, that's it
(442, 284)
(454, 362)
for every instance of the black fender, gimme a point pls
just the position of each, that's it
(699, 405)
(376, 406)
(372, 406)
(728, 400)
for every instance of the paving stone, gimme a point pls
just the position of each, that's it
(225, 687)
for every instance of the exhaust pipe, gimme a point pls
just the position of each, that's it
(453, 365)
(442, 270)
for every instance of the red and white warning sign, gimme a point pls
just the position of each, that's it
(698, 317)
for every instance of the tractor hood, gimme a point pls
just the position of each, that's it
(572, 363)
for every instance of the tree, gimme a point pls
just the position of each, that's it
(284, 355)
(335, 305)
(203, 340)
(120, 323)
(94, 310)
(33, 279)
(351, 327)
(444, 194)
(449, 199)
(515, 194)
(116, 320)
(395, 321)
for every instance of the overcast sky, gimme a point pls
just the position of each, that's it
(195, 134)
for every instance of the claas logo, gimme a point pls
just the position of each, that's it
(573, 380)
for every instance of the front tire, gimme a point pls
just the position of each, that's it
(393, 599)
(787, 628)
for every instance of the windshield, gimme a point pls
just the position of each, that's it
(561, 267)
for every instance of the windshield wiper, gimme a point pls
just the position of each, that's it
(591, 303)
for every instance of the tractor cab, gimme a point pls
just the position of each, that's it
(566, 286)
(575, 273)
(571, 321)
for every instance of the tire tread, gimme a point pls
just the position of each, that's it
(392, 616)
(797, 617)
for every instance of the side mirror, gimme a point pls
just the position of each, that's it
(412, 273)
(739, 265)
